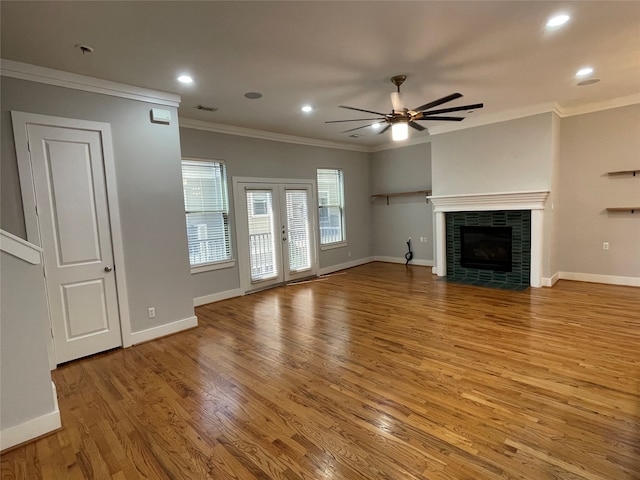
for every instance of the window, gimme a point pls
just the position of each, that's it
(207, 208)
(331, 206)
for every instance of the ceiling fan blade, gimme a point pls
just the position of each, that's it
(357, 128)
(396, 101)
(417, 126)
(385, 129)
(440, 101)
(455, 109)
(362, 110)
(354, 120)
(446, 119)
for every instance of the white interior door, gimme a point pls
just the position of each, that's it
(73, 219)
(276, 234)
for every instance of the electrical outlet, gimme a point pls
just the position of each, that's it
(152, 312)
(605, 246)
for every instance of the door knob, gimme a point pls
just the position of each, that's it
(108, 268)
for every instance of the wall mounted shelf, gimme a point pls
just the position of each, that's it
(624, 172)
(623, 209)
(426, 193)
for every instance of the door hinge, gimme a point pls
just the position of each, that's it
(51, 330)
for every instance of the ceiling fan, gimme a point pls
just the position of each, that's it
(401, 118)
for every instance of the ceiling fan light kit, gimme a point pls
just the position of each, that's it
(401, 118)
(399, 131)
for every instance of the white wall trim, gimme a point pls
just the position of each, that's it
(344, 266)
(596, 278)
(551, 281)
(50, 76)
(597, 106)
(530, 110)
(526, 200)
(424, 138)
(34, 428)
(163, 330)
(216, 297)
(415, 261)
(497, 117)
(264, 135)
(20, 248)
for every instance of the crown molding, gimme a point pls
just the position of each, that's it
(597, 106)
(50, 76)
(551, 107)
(490, 118)
(407, 143)
(264, 135)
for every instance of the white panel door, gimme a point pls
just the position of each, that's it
(73, 218)
(275, 225)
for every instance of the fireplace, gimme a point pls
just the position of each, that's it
(491, 209)
(487, 248)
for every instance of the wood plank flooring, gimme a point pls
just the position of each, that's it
(378, 372)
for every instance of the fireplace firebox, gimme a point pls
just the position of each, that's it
(486, 247)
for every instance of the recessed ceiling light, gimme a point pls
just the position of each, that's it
(558, 20)
(584, 72)
(186, 79)
(253, 95)
(376, 125)
(307, 109)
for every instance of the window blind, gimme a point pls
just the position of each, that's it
(207, 211)
(331, 205)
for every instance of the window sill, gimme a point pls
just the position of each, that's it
(213, 266)
(331, 246)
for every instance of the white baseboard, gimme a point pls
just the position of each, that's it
(549, 282)
(344, 266)
(163, 330)
(434, 270)
(216, 297)
(34, 428)
(594, 278)
(415, 261)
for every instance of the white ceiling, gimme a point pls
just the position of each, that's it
(335, 53)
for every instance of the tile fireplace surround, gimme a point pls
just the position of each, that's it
(533, 201)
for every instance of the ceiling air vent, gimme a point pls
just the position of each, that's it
(204, 108)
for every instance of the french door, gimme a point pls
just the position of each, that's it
(276, 233)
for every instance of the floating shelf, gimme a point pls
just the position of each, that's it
(426, 193)
(625, 172)
(623, 209)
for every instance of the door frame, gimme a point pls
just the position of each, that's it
(243, 261)
(21, 120)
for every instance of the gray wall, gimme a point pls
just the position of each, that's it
(591, 145)
(501, 157)
(25, 381)
(148, 175)
(251, 157)
(402, 169)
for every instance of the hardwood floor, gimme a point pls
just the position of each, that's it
(378, 372)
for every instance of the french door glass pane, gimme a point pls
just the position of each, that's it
(262, 252)
(298, 228)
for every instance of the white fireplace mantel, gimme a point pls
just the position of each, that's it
(532, 200)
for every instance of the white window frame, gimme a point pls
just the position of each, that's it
(343, 242)
(221, 264)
